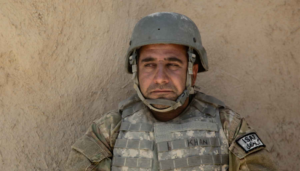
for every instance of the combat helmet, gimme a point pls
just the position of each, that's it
(167, 28)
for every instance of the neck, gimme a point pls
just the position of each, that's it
(166, 116)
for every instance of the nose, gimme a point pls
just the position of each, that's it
(160, 76)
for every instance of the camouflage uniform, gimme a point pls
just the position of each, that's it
(95, 150)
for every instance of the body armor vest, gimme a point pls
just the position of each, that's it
(194, 140)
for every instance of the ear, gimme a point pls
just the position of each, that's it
(195, 71)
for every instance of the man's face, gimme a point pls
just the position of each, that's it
(162, 71)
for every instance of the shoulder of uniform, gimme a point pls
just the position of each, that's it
(108, 126)
(209, 99)
(231, 122)
(110, 117)
(243, 139)
(98, 141)
(227, 114)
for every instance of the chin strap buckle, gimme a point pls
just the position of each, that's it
(181, 99)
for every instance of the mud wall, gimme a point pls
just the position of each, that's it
(61, 67)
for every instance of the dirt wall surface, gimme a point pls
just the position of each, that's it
(62, 66)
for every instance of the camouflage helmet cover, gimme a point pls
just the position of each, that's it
(167, 28)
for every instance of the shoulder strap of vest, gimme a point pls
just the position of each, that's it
(128, 102)
(128, 106)
(209, 99)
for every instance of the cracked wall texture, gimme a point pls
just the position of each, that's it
(62, 66)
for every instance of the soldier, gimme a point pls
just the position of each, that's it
(168, 125)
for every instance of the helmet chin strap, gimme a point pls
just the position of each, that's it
(172, 104)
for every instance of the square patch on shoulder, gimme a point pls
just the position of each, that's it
(250, 142)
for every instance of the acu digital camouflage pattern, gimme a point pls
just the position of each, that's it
(94, 150)
(193, 141)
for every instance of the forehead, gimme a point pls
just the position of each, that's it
(157, 50)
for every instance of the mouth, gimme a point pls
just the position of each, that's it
(161, 91)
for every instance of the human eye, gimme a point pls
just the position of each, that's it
(149, 65)
(173, 66)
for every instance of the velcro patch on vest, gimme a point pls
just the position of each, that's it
(187, 143)
(250, 142)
